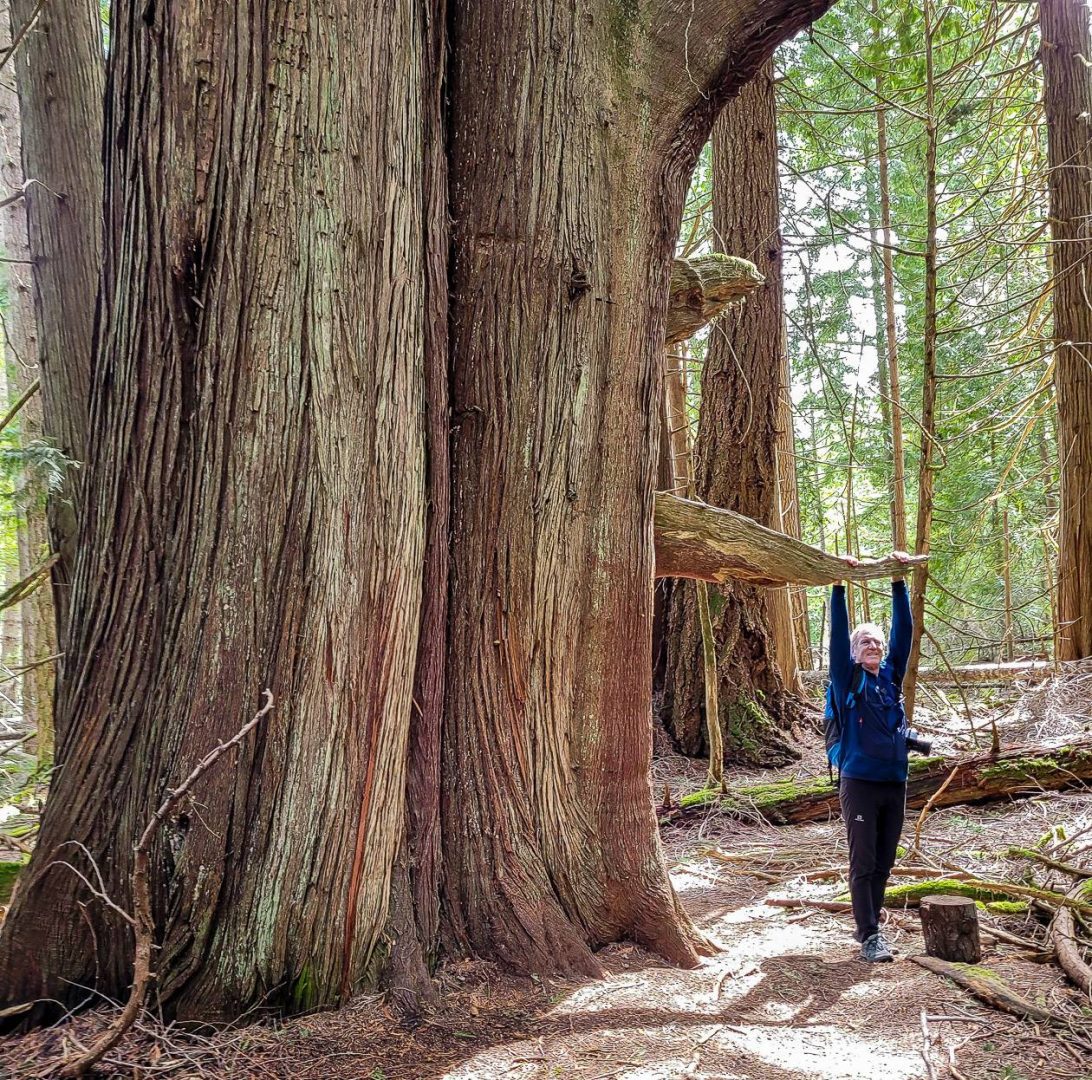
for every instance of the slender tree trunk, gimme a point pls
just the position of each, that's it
(1067, 97)
(891, 341)
(736, 454)
(788, 606)
(926, 472)
(21, 353)
(60, 74)
(1008, 646)
(254, 512)
(1048, 464)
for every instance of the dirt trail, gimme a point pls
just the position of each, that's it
(784, 998)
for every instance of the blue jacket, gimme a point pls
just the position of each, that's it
(874, 727)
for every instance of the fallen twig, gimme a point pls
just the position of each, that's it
(143, 926)
(821, 905)
(925, 810)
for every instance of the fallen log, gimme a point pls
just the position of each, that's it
(978, 778)
(1063, 936)
(695, 540)
(977, 675)
(990, 988)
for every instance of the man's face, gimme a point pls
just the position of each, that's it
(869, 652)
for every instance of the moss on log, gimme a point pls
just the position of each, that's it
(695, 540)
(702, 287)
(987, 986)
(978, 778)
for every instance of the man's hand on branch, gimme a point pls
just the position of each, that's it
(849, 560)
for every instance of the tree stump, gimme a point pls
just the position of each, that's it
(950, 927)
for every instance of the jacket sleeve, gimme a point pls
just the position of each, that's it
(841, 663)
(902, 631)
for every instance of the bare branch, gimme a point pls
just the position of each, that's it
(143, 925)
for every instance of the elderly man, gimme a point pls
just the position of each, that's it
(871, 754)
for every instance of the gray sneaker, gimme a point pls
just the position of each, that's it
(887, 944)
(875, 951)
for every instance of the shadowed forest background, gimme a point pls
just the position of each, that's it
(429, 436)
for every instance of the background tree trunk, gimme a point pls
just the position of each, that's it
(1067, 98)
(39, 635)
(792, 643)
(923, 532)
(254, 512)
(60, 75)
(735, 453)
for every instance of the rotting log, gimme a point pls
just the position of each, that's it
(984, 777)
(695, 540)
(702, 287)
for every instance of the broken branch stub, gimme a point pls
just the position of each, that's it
(695, 540)
(702, 287)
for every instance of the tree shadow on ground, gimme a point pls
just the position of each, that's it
(488, 1011)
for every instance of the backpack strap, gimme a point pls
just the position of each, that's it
(850, 698)
(852, 695)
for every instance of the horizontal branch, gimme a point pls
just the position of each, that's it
(695, 540)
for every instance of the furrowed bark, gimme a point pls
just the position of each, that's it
(736, 457)
(254, 512)
(559, 299)
(1067, 99)
(415, 887)
(39, 634)
(60, 75)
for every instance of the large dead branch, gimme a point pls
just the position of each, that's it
(695, 540)
(989, 988)
(702, 287)
(975, 778)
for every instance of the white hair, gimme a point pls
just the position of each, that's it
(869, 628)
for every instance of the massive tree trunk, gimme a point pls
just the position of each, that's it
(39, 637)
(1067, 97)
(60, 75)
(256, 491)
(558, 300)
(736, 454)
(254, 512)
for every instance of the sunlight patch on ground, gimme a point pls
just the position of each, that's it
(830, 1052)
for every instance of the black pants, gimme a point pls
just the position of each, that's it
(873, 811)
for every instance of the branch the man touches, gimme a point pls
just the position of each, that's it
(868, 740)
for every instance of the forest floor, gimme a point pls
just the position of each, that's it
(784, 998)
